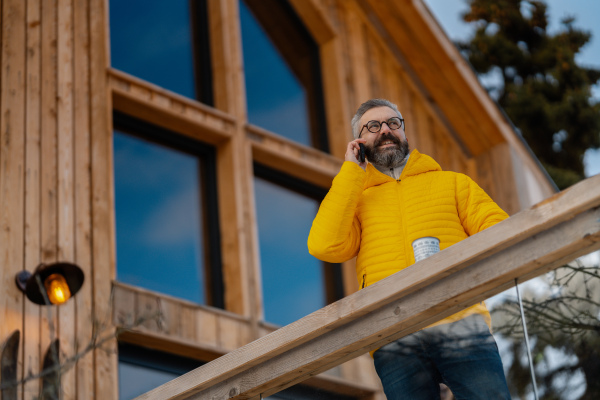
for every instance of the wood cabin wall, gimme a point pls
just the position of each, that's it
(58, 94)
(55, 186)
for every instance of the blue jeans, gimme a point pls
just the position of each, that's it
(463, 355)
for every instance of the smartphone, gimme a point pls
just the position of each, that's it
(361, 152)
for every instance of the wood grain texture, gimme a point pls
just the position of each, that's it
(314, 16)
(102, 200)
(12, 166)
(153, 316)
(48, 212)
(84, 367)
(33, 131)
(65, 190)
(292, 158)
(526, 245)
(161, 107)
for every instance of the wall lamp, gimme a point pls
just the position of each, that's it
(51, 283)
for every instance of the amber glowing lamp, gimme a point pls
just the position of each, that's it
(51, 283)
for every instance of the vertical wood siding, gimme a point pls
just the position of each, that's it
(46, 183)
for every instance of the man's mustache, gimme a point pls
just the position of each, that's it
(387, 137)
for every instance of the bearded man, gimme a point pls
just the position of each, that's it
(375, 210)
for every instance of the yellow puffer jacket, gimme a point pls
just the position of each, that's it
(376, 218)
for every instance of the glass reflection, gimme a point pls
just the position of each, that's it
(293, 284)
(276, 99)
(142, 369)
(158, 218)
(153, 41)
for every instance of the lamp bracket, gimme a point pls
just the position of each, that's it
(21, 279)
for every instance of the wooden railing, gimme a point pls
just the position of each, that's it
(524, 246)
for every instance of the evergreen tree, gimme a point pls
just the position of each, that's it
(542, 89)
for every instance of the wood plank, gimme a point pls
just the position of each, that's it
(345, 71)
(339, 131)
(48, 213)
(232, 333)
(206, 328)
(154, 315)
(149, 313)
(525, 245)
(232, 159)
(528, 191)
(141, 100)
(103, 246)
(12, 167)
(248, 279)
(229, 91)
(485, 174)
(124, 307)
(31, 312)
(84, 368)
(504, 178)
(411, 125)
(315, 18)
(395, 85)
(357, 51)
(65, 190)
(292, 158)
(233, 258)
(425, 135)
(187, 323)
(223, 91)
(178, 346)
(373, 53)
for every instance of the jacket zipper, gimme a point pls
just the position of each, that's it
(363, 283)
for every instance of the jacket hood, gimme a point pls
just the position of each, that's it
(417, 164)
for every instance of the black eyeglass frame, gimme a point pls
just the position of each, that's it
(381, 124)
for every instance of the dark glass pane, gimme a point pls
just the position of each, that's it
(135, 380)
(152, 39)
(141, 369)
(293, 284)
(276, 98)
(158, 218)
(308, 393)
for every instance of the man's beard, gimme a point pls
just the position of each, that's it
(390, 157)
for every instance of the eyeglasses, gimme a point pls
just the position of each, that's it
(375, 126)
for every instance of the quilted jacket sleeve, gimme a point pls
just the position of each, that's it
(335, 232)
(476, 209)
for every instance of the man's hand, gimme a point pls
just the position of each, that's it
(352, 152)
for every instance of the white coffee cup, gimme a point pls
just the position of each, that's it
(425, 247)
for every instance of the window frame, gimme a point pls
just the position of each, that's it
(332, 272)
(200, 46)
(212, 267)
(289, 35)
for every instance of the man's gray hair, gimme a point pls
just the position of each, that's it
(366, 106)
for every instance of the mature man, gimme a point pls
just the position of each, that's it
(375, 210)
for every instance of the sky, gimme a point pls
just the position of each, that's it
(586, 12)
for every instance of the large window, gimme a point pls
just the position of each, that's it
(282, 70)
(142, 369)
(164, 42)
(294, 282)
(166, 213)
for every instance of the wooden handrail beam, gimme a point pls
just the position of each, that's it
(526, 245)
